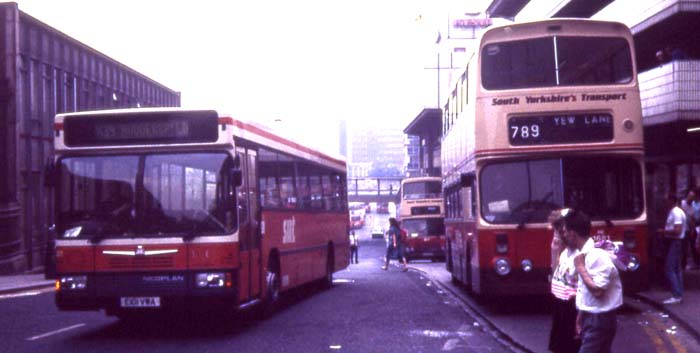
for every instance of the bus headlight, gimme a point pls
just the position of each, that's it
(526, 265)
(213, 280)
(502, 266)
(633, 264)
(71, 283)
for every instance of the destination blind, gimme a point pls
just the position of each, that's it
(141, 128)
(558, 129)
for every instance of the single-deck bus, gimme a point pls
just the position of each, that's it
(546, 115)
(170, 208)
(422, 215)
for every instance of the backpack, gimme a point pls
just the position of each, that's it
(404, 236)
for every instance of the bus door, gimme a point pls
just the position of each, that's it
(467, 195)
(249, 227)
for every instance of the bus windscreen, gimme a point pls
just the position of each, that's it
(606, 188)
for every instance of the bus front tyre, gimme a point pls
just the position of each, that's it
(273, 293)
(328, 279)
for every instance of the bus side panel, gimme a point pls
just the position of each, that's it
(461, 235)
(302, 240)
(454, 249)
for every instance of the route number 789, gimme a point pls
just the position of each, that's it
(525, 132)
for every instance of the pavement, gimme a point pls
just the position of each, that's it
(686, 314)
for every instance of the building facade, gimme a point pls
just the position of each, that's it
(381, 147)
(455, 44)
(44, 72)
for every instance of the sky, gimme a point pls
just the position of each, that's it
(298, 66)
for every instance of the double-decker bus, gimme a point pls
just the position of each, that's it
(422, 215)
(545, 115)
(170, 209)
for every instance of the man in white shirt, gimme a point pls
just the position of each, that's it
(599, 290)
(674, 232)
(354, 244)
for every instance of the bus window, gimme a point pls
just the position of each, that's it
(288, 196)
(527, 191)
(316, 191)
(580, 61)
(593, 61)
(269, 189)
(327, 192)
(303, 193)
(424, 227)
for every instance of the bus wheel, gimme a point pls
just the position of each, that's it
(330, 266)
(273, 290)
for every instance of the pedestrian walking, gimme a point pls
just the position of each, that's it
(599, 289)
(394, 247)
(563, 337)
(673, 233)
(354, 244)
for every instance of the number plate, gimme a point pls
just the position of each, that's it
(140, 302)
(565, 128)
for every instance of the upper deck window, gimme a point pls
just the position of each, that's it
(422, 190)
(556, 61)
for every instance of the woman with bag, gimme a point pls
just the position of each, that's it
(394, 246)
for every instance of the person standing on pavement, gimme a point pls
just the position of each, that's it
(563, 337)
(673, 233)
(394, 246)
(599, 290)
(691, 207)
(354, 244)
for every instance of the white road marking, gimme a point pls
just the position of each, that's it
(343, 280)
(44, 335)
(26, 294)
(451, 344)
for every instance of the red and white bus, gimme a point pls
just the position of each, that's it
(546, 115)
(170, 208)
(357, 215)
(422, 216)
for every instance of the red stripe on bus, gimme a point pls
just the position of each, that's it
(559, 148)
(271, 136)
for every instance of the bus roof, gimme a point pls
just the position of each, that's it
(557, 26)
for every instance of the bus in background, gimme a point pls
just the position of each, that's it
(546, 115)
(171, 209)
(422, 216)
(357, 215)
